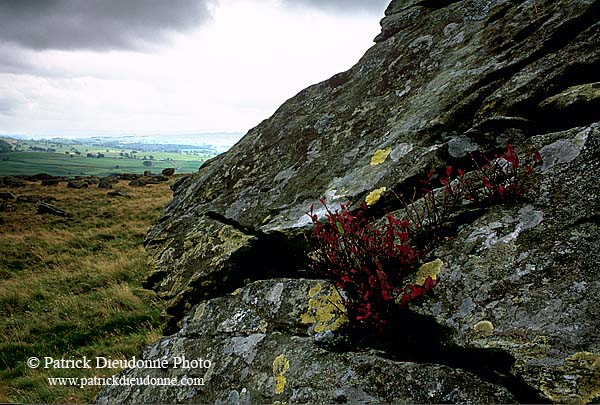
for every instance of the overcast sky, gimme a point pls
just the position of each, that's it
(110, 67)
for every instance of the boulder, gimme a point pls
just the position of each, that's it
(13, 182)
(141, 182)
(7, 196)
(107, 182)
(257, 345)
(44, 208)
(118, 193)
(128, 176)
(169, 171)
(519, 285)
(51, 182)
(77, 184)
(92, 180)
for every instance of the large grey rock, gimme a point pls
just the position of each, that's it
(524, 278)
(519, 283)
(476, 79)
(259, 346)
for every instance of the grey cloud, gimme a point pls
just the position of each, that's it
(96, 24)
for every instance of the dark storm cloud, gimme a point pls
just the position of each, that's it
(342, 6)
(96, 24)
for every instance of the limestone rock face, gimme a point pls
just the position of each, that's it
(519, 287)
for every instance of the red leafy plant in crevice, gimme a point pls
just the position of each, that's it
(505, 178)
(369, 263)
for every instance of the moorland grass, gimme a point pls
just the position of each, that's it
(71, 287)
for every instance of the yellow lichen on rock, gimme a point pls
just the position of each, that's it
(380, 156)
(429, 269)
(325, 309)
(576, 382)
(375, 195)
(280, 366)
(485, 328)
(262, 327)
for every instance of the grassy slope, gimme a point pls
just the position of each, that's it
(71, 287)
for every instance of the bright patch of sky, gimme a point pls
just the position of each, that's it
(226, 72)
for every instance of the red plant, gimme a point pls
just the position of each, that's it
(435, 206)
(369, 263)
(505, 178)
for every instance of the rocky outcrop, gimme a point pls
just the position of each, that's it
(518, 289)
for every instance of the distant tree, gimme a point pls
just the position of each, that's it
(151, 157)
(147, 163)
(100, 155)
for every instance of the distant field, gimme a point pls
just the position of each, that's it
(72, 160)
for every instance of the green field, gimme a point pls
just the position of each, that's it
(73, 160)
